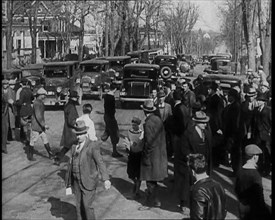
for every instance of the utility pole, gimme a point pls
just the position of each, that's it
(234, 27)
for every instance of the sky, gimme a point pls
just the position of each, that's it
(208, 14)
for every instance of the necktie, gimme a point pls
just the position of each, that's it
(203, 135)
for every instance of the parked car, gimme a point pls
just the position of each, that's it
(220, 66)
(225, 81)
(168, 65)
(205, 59)
(59, 78)
(94, 75)
(15, 74)
(187, 58)
(117, 63)
(139, 80)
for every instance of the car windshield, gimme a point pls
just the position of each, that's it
(136, 73)
(92, 68)
(55, 72)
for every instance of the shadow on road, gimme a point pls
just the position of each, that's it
(61, 209)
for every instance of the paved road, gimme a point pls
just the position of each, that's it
(36, 190)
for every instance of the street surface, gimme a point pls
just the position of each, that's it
(36, 190)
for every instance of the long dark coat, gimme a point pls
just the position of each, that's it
(190, 145)
(38, 119)
(154, 155)
(70, 115)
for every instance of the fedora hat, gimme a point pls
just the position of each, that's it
(80, 127)
(200, 117)
(265, 83)
(12, 82)
(252, 149)
(5, 81)
(148, 106)
(41, 91)
(251, 92)
(161, 94)
(261, 67)
(73, 94)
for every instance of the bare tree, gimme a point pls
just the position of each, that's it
(264, 16)
(249, 24)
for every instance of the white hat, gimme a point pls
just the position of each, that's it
(41, 91)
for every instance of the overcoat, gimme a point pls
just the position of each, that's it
(12, 109)
(154, 155)
(190, 145)
(91, 165)
(70, 115)
(38, 119)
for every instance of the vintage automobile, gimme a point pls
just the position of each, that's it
(95, 74)
(205, 59)
(220, 65)
(34, 73)
(117, 63)
(225, 81)
(145, 56)
(60, 77)
(168, 65)
(187, 58)
(138, 82)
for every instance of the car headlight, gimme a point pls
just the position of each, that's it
(92, 80)
(58, 89)
(116, 74)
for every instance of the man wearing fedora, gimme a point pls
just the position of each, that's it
(261, 133)
(231, 129)
(265, 90)
(249, 188)
(38, 126)
(154, 156)
(68, 136)
(25, 102)
(85, 167)
(196, 139)
(188, 96)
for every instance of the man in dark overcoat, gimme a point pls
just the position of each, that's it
(231, 129)
(84, 170)
(154, 156)
(261, 133)
(196, 139)
(68, 136)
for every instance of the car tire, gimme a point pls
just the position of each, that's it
(166, 72)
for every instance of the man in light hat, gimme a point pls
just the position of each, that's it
(68, 136)
(265, 90)
(154, 156)
(38, 126)
(84, 169)
(196, 139)
(249, 188)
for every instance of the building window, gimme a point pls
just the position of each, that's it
(46, 27)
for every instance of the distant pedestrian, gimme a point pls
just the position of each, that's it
(84, 169)
(134, 142)
(154, 155)
(12, 108)
(111, 127)
(249, 188)
(38, 125)
(68, 136)
(86, 117)
(25, 102)
(261, 74)
(188, 96)
(5, 117)
(207, 196)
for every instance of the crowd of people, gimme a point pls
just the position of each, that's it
(196, 128)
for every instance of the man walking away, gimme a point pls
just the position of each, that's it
(111, 127)
(38, 125)
(207, 197)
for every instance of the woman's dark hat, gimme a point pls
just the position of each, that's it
(200, 117)
(148, 106)
(80, 127)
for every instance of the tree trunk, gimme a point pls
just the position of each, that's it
(112, 31)
(123, 28)
(107, 29)
(9, 38)
(81, 37)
